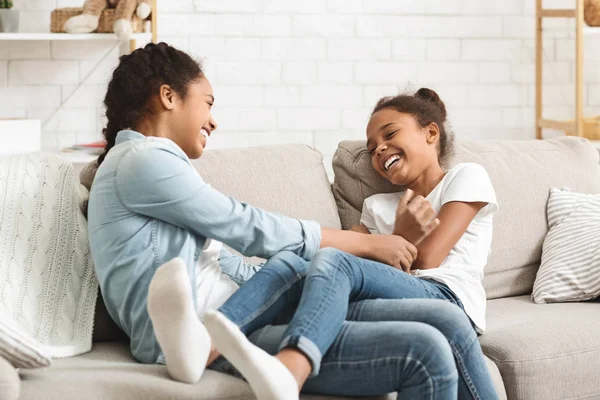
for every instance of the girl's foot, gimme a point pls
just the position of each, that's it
(267, 376)
(183, 339)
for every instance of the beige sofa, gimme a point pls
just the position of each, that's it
(535, 352)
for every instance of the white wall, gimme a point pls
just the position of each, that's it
(309, 71)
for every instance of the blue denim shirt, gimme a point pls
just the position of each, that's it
(147, 206)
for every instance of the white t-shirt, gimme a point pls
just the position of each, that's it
(213, 287)
(462, 269)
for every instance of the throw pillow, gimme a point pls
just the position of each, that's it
(570, 269)
(48, 285)
(19, 349)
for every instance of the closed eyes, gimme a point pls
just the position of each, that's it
(387, 137)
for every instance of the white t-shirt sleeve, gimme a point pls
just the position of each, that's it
(471, 183)
(367, 218)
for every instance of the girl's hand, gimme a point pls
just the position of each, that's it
(392, 250)
(415, 219)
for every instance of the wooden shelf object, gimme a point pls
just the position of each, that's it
(71, 36)
(575, 127)
(133, 39)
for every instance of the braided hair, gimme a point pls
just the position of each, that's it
(138, 77)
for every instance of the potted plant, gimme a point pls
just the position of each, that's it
(9, 19)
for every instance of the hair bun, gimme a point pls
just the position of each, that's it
(430, 95)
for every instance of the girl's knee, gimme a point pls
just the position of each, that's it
(287, 261)
(328, 261)
(432, 339)
(287, 257)
(328, 254)
(453, 321)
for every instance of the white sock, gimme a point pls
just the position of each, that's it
(267, 376)
(183, 339)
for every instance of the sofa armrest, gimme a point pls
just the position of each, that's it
(10, 383)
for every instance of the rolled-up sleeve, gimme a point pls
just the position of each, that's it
(158, 183)
(237, 268)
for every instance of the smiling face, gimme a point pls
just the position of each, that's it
(191, 121)
(401, 150)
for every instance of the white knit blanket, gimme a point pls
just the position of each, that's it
(47, 280)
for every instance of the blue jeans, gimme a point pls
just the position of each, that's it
(421, 347)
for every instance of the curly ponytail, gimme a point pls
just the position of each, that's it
(138, 77)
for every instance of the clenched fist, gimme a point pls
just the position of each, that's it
(392, 250)
(415, 218)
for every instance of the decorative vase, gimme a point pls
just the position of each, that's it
(9, 20)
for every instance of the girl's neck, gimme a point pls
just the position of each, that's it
(151, 127)
(428, 180)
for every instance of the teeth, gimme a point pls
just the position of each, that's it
(390, 161)
(204, 133)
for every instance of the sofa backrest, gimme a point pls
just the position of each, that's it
(288, 179)
(522, 173)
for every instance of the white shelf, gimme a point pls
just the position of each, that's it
(590, 31)
(70, 36)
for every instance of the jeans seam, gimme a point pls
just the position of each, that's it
(464, 370)
(297, 278)
(238, 281)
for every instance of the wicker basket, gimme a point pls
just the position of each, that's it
(61, 15)
(592, 12)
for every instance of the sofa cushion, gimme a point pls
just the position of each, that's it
(109, 372)
(522, 173)
(545, 351)
(570, 269)
(289, 179)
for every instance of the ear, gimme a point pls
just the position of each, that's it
(433, 133)
(167, 97)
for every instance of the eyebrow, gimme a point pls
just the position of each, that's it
(380, 129)
(385, 126)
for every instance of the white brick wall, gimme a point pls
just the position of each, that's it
(309, 71)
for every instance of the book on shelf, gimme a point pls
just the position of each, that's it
(94, 148)
(83, 153)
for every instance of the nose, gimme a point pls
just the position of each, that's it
(381, 149)
(213, 124)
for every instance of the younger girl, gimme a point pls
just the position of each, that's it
(408, 142)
